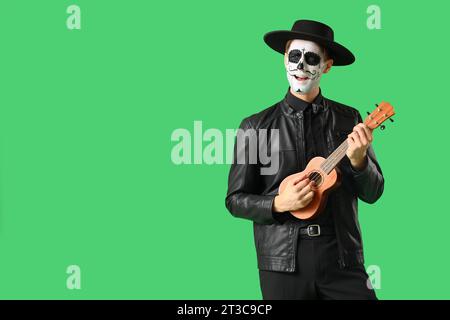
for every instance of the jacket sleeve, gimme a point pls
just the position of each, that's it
(369, 181)
(243, 199)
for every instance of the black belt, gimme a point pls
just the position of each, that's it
(315, 230)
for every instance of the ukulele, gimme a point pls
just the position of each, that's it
(324, 172)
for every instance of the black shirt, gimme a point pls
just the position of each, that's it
(312, 124)
(315, 143)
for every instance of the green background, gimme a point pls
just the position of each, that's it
(87, 115)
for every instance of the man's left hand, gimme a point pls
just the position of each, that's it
(358, 143)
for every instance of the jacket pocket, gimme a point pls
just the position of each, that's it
(274, 239)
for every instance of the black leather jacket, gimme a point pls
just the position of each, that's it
(250, 195)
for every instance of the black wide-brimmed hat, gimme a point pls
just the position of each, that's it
(315, 31)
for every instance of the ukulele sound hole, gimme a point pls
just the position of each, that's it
(316, 177)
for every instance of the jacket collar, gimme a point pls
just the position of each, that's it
(291, 104)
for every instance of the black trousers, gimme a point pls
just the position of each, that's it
(317, 276)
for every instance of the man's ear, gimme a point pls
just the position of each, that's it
(329, 64)
(285, 58)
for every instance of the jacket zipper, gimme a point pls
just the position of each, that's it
(295, 247)
(301, 150)
(331, 147)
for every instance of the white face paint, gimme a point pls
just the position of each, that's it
(305, 64)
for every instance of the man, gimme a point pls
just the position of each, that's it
(320, 258)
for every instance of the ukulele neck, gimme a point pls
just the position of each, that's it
(333, 159)
(382, 112)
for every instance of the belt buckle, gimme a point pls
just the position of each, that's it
(309, 228)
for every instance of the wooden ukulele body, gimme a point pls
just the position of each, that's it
(325, 184)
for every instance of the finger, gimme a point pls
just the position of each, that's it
(356, 141)
(362, 135)
(350, 140)
(310, 185)
(308, 196)
(368, 132)
(305, 191)
(302, 184)
(351, 143)
(299, 178)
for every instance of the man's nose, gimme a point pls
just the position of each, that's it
(300, 66)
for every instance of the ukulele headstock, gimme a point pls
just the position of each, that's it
(382, 112)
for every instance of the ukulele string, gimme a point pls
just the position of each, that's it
(328, 163)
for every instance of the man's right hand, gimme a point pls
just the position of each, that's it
(297, 194)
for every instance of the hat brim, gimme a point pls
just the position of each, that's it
(277, 41)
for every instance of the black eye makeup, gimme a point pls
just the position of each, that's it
(295, 56)
(312, 58)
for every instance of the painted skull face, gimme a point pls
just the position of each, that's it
(305, 64)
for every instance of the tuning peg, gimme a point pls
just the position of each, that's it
(368, 113)
(390, 119)
(376, 104)
(382, 127)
